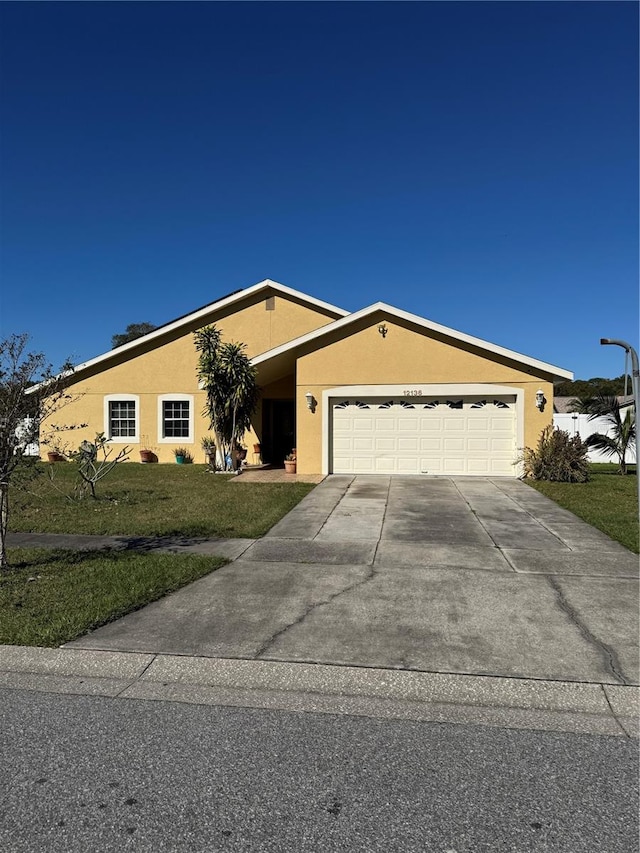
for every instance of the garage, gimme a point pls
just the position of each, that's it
(438, 435)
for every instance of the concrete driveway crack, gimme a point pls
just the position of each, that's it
(606, 652)
(360, 582)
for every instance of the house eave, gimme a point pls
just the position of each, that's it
(556, 373)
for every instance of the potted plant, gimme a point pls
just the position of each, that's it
(290, 463)
(208, 444)
(58, 450)
(147, 453)
(182, 455)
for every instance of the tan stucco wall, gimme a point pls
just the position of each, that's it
(409, 357)
(169, 367)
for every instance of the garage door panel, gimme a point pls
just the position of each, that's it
(431, 424)
(470, 436)
(408, 466)
(479, 466)
(501, 445)
(454, 465)
(363, 464)
(478, 424)
(481, 445)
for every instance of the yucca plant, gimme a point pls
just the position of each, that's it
(229, 378)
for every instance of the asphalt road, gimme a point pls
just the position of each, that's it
(91, 774)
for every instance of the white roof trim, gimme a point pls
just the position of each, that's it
(208, 309)
(418, 321)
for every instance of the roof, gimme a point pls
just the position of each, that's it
(428, 325)
(201, 313)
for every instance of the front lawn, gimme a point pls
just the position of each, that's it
(50, 597)
(152, 500)
(608, 501)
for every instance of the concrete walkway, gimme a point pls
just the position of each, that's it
(474, 581)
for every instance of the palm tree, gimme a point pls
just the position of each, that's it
(622, 431)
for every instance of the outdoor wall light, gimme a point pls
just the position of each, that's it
(540, 400)
(382, 328)
(311, 401)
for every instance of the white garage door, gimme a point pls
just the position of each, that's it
(469, 435)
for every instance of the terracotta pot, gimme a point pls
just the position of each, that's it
(148, 456)
(52, 456)
(290, 467)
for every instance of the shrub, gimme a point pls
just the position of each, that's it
(558, 457)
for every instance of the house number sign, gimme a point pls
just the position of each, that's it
(412, 392)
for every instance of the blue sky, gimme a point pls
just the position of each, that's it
(475, 163)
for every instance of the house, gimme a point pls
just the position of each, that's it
(379, 390)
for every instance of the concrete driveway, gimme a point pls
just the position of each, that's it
(461, 575)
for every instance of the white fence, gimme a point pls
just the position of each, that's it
(576, 424)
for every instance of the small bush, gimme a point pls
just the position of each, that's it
(559, 457)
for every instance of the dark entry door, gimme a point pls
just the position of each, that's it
(278, 430)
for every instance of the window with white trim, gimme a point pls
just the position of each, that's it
(122, 417)
(175, 418)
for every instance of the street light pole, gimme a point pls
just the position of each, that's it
(635, 385)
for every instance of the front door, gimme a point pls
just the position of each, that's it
(278, 430)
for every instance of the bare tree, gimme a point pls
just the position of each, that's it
(30, 393)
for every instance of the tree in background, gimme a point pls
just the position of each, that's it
(622, 431)
(133, 331)
(586, 388)
(29, 394)
(229, 379)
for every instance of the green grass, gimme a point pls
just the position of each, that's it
(152, 500)
(608, 501)
(50, 597)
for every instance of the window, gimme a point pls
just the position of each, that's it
(175, 418)
(121, 418)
